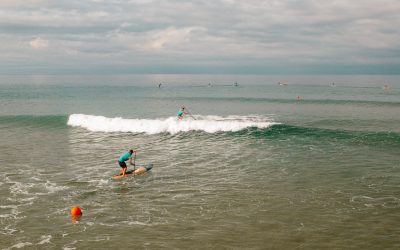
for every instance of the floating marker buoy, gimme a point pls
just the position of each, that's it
(76, 212)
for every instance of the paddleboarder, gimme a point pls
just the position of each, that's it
(181, 113)
(125, 157)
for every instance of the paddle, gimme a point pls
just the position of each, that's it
(187, 111)
(134, 161)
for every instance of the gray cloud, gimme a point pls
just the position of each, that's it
(225, 36)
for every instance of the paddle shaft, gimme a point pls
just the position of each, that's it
(134, 162)
(190, 114)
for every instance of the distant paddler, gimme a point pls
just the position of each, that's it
(182, 112)
(125, 157)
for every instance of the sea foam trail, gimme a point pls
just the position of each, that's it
(209, 124)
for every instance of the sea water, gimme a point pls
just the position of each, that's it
(310, 163)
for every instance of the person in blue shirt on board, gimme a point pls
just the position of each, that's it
(123, 158)
(181, 113)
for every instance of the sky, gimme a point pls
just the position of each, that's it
(205, 37)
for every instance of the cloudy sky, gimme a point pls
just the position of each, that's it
(204, 36)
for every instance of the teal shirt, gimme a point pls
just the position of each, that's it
(180, 113)
(125, 157)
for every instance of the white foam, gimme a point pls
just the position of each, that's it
(68, 247)
(386, 202)
(8, 230)
(20, 245)
(209, 124)
(45, 239)
(53, 187)
(19, 188)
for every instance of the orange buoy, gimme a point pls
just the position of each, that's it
(76, 211)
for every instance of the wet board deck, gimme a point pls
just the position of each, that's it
(138, 171)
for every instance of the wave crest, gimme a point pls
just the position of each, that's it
(209, 124)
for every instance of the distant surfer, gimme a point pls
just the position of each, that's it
(125, 157)
(159, 85)
(181, 113)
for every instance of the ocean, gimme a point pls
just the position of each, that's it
(277, 162)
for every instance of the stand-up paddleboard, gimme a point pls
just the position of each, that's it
(138, 171)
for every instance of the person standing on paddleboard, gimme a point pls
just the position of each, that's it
(181, 113)
(125, 157)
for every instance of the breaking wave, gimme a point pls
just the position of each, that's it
(209, 124)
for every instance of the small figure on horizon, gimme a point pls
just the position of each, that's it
(123, 158)
(159, 85)
(235, 84)
(298, 98)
